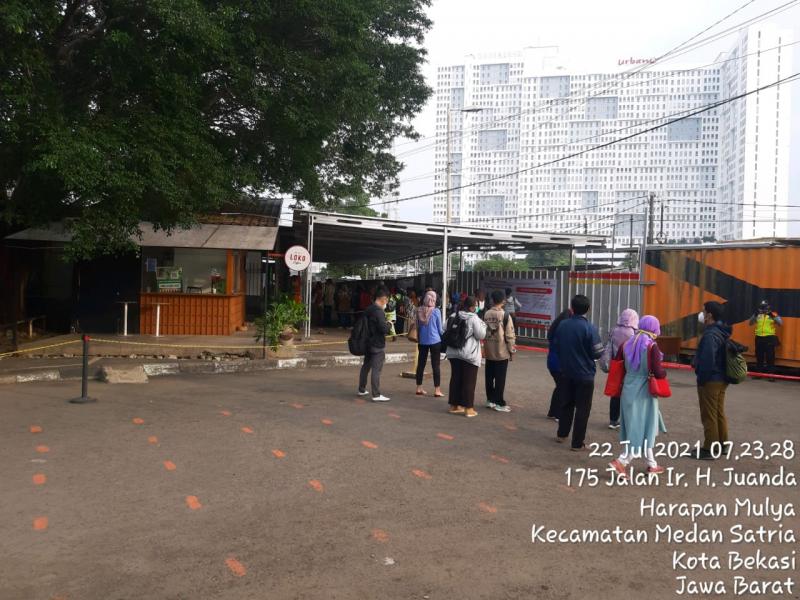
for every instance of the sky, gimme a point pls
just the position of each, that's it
(591, 34)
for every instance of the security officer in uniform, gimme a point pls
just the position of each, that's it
(766, 322)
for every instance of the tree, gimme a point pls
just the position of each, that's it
(115, 112)
(548, 258)
(497, 263)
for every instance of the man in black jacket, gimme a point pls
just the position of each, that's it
(712, 381)
(378, 328)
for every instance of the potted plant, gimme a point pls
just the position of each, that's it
(279, 324)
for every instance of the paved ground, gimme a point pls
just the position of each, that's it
(284, 485)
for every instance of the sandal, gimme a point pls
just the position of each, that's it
(438, 395)
(422, 393)
(457, 410)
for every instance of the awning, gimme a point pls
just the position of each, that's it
(349, 239)
(218, 236)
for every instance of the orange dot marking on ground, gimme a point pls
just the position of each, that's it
(369, 445)
(42, 449)
(445, 436)
(487, 507)
(246, 430)
(193, 503)
(360, 401)
(235, 567)
(327, 422)
(278, 453)
(510, 426)
(316, 485)
(138, 421)
(379, 535)
(421, 474)
(59, 598)
(225, 413)
(40, 523)
(39, 479)
(567, 488)
(296, 405)
(36, 429)
(169, 465)
(152, 440)
(501, 459)
(394, 415)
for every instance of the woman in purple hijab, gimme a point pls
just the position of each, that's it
(626, 328)
(640, 415)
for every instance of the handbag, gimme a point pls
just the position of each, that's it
(412, 331)
(616, 376)
(658, 387)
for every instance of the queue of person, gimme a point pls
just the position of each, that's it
(467, 341)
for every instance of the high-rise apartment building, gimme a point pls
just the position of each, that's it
(548, 150)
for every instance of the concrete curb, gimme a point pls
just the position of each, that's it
(206, 367)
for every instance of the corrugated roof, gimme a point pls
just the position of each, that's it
(368, 240)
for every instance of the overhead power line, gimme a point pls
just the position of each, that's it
(693, 113)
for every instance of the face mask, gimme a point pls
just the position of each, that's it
(701, 317)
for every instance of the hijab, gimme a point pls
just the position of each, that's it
(428, 306)
(649, 330)
(626, 328)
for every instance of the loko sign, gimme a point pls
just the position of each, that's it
(297, 258)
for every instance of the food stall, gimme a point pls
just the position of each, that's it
(193, 281)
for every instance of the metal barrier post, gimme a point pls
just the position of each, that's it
(84, 399)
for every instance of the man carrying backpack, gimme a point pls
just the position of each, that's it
(374, 328)
(710, 365)
(499, 349)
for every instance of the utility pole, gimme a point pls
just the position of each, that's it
(651, 215)
(631, 238)
(445, 266)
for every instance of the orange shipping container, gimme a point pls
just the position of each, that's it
(679, 280)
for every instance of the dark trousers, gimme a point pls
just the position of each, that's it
(576, 403)
(555, 397)
(435, 352)
(765, 353)
(496, 371)
(613, 416)
(373, 361)
(327, 318)
(400, 326)
(463, 378)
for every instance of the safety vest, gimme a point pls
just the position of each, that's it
(765, 326)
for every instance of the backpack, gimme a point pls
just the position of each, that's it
(735, 364)
(455, 333)
(358, 343)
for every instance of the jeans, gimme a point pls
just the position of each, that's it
(765, 353)
(496, 371)
(463, 377)
(435, 351)
(614, 410)
(576, 403)
(712, 412)
(555, 397)
(373, 361)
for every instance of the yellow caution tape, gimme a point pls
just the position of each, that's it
(29, 350)
(182, 346)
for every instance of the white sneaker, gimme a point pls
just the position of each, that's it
(504, 408)
(491, 405)
(381, 398)
(364, 393)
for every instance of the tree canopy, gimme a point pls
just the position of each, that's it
(114, 112)
(496, 262)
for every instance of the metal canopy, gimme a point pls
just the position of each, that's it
(224, 237)
(354, 239)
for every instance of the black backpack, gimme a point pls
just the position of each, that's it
(455, 333)
(359, 337)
